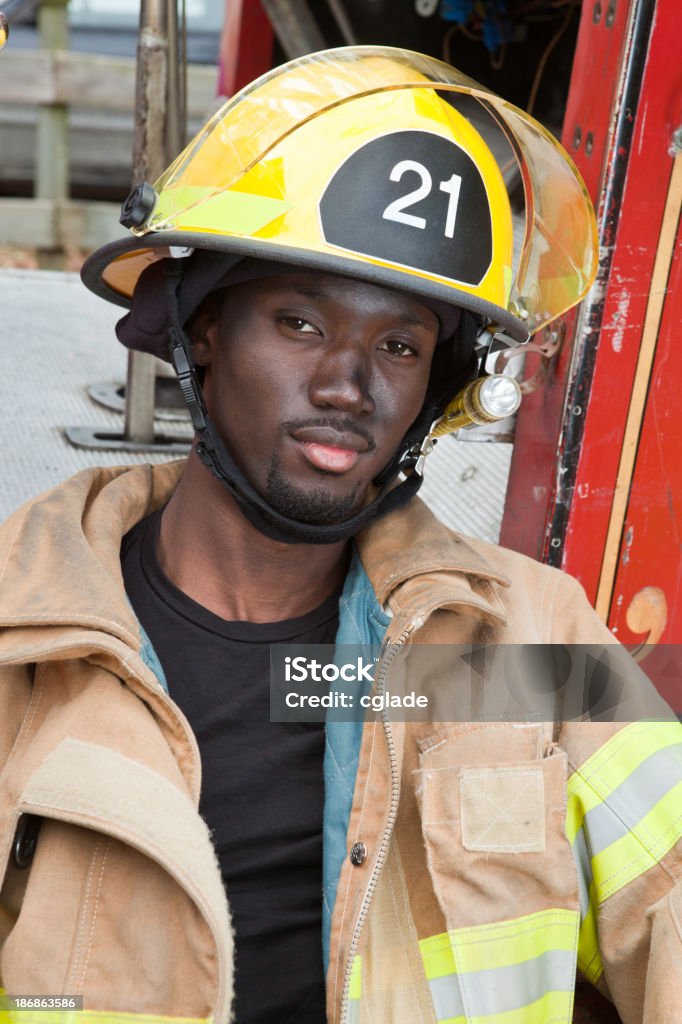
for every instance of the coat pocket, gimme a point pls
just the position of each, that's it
(503, 873)
(495, 837)
(499, 808)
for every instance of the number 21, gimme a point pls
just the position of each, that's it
(396, 210)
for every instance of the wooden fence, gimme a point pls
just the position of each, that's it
(56, 80)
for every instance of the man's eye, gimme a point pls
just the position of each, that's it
(298, 324)
(399, 348)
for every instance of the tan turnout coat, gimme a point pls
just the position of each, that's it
(123, 900)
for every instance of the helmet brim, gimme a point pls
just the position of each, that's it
(112, 272)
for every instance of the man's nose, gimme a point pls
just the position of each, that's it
(341, 380)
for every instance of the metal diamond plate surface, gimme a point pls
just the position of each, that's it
(465, 484)
(56, 339)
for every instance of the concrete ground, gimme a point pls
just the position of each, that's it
(57, 339)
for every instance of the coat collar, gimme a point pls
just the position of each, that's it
(60, 553)
(413, 543)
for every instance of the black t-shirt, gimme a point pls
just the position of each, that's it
(262, 783)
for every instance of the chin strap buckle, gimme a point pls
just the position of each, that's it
(188, 380)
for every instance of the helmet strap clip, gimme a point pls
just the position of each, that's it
(187, 378)
(413, 463)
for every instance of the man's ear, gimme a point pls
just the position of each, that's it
(203, 331)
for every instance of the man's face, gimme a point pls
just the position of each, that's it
(312, 381)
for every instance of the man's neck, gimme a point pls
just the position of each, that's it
(210, 551)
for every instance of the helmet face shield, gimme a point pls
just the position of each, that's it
(386, 165)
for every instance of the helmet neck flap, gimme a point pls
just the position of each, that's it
(454, 364)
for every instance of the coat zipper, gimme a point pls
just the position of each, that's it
(392, 814)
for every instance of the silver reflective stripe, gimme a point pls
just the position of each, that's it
(504, 988)
(583, 861)
(634, 798)
(447, 999)
(353, 1016)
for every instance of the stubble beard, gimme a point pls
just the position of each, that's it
(316, 506)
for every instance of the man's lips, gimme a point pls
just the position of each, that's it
(333, 451)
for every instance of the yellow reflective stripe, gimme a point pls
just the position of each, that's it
(485, 947)
(173, 200)
(355, 990)
(437, 956)
(599, 798)
(589, 957)
(92, 1017)
(243, 213)
(552, 1008)
(575, 813)
(61, 1016)
(610, 766)
(647, 839)
(641, 848)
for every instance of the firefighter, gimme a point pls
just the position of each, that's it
(326, 266)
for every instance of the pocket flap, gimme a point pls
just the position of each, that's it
(503, 809)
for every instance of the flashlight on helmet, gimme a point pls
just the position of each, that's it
(485, 400)
(4, 30)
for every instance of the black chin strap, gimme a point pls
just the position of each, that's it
(218, 460)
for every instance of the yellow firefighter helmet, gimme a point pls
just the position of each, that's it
(384, 165)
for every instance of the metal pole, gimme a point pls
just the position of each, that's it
(173, 144)
(149, 154)
(149, 160)
(52, 141)
(183, 59)
(156, 73)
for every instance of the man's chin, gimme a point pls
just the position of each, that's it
(316, 506)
